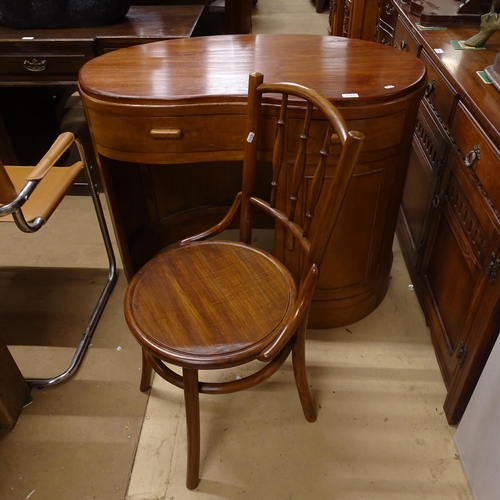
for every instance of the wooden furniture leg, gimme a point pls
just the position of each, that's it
(192, 404)
(13, 389)
(147, 373)
(299, 372)
(319, 6)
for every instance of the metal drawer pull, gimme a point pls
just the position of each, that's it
(472, 156)
(402, 45)
(438, 199)
(166, 133)
(430, 88)
(35, 65)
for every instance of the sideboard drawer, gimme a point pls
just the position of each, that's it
(388, 13)
(478, 153)
(404, 40)
(56, 62)
(384, 35)
(440, 94)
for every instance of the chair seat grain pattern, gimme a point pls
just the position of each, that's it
(227, 329)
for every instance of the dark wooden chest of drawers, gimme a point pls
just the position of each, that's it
(449, 225)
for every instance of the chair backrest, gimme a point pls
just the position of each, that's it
(314, 177)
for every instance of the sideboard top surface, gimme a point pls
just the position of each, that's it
(461, 66)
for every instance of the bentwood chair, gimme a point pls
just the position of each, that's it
(29, 196)
(214, 304)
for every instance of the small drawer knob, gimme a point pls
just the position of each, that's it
(166, 133)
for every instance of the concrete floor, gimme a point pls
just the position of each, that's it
(380, 434)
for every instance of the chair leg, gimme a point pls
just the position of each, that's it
(320, 5)
(103, 298)
(147, 373)
(299, 371)
(192, 403)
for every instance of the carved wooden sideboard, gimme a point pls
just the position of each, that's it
(449, 225)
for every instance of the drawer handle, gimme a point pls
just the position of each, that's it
(35, 65)
(438, 199)
(389, 9)
(472, 156)
(492, 269)
(431, 86)
(166, 133)
(402, 45)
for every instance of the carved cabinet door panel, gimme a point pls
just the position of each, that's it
(458, 268)
(336, 17)
(425, 169)
(475, 349)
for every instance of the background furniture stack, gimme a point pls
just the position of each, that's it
(353, 18)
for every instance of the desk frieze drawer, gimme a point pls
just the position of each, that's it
(478, 154)
(147, 136)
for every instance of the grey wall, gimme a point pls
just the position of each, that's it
(478, 435)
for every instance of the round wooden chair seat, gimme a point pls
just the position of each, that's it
(189, 309)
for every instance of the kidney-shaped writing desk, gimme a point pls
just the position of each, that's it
(167, 120)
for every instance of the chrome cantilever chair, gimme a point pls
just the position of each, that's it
(29, 196)
(212, 304)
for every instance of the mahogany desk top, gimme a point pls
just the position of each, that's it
(208, 69)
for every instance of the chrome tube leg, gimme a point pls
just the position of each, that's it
(103, 299)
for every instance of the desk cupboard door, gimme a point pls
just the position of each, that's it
(352, 282)
(458, 272)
